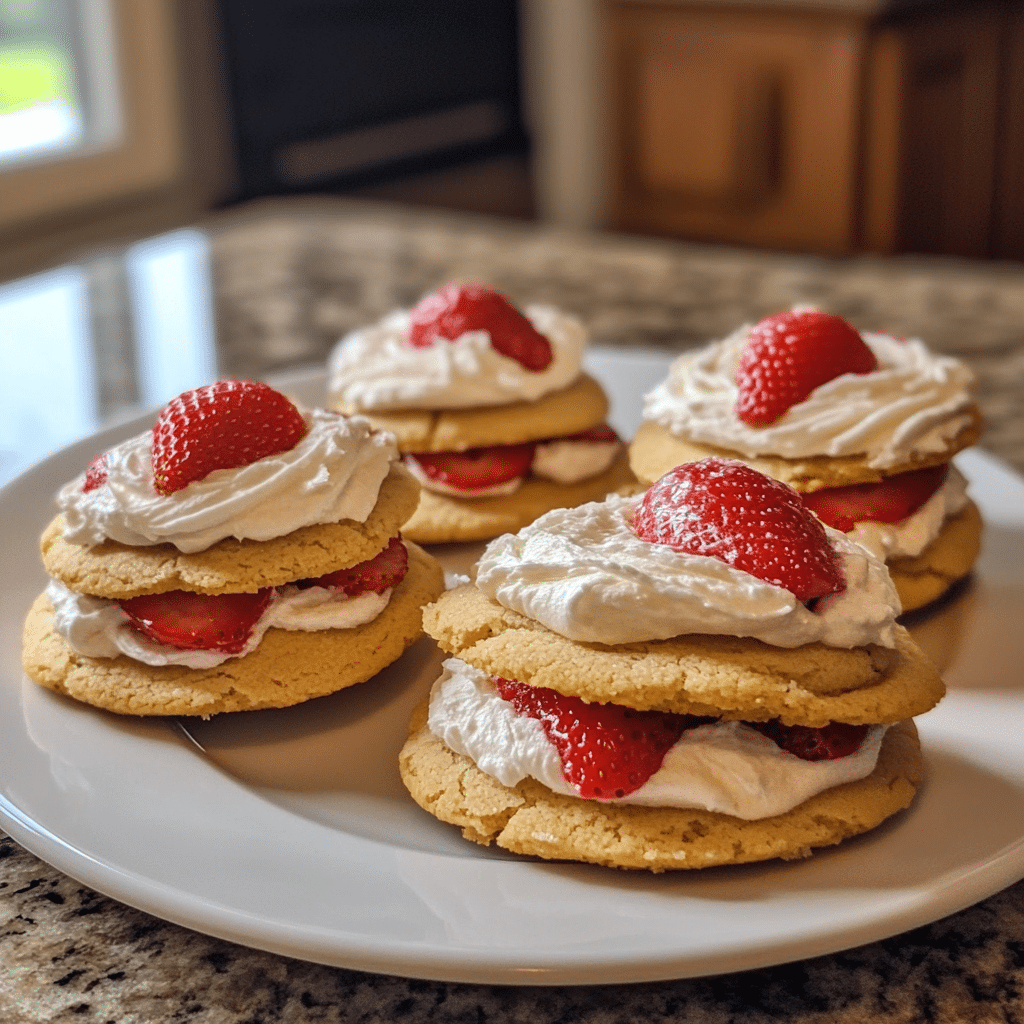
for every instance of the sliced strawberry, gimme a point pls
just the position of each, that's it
(725, 509)
(96, 474)
(837, 739)
(385, 570)
(214, 622)
(601, 434)
(477, 467)
(450, 312)
(788, 355)
(606, 750)
(221, 426)
(888, 501)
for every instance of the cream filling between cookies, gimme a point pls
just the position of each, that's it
(584, 573)
(915, 403)
(562, 460)
(335, 472)
(375, 367)
(724, 766)
(910, 536)
(99, 628)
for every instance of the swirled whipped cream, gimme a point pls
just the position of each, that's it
(333, 473)
(585, 574)
(909, 537)
(375, 368)
(915, 402)
(723, 766)
(99, 628)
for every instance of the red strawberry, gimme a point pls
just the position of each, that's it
(606, 750)
(221, 426)
(96, 474)
(601, 434)
(888, 501)
(477, 467)
(215, 622)
(725, 509)
(385, 570)
(457, 308)
(837, 739)
(788, 355)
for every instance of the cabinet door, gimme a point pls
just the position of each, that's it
(734, 126)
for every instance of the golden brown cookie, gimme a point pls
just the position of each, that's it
(119, 570)
(530, 819)
(947, 560)
(655, 450)
(580, 406)
(734, 676)
(288, 667)
(441, 518)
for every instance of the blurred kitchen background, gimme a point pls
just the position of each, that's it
(831, 126)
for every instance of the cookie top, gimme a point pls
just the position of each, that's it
(698, 674)
(288, 666)
(442, 518)
(530, 819)
(655, 450)
(580, 406)
(116, 570)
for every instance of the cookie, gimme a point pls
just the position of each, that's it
(120, 571)
(578, 407)
(697, 674)
(440, 518)
(655, 450)
(946, 561)
(530, 819)
(288, 667)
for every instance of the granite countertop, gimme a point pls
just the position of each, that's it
(289, 277)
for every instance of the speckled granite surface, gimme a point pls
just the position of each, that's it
(290, 277)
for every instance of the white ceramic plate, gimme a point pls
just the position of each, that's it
(290, 830)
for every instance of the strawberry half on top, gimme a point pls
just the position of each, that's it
(790, 354)
(454, 310)
(226, 425)
(727, 510)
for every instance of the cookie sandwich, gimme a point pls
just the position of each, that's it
(242, 554)
(492, 410)
(703, 674)
(865, 425)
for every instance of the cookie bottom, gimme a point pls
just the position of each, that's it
(288, 667)
(530, 819)
(946, 561)
(442, 518)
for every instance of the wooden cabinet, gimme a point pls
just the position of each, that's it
(824, 128)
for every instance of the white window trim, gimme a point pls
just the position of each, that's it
(150, 153)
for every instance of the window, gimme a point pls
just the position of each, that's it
(89, 104)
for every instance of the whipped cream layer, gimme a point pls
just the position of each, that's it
(375, 368)
(914, 403)
(333, 473)
(99, 628)
(909, 537)
(724, 766)
(585, 574)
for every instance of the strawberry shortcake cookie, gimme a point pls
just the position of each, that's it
(244, 553)
(491, 408)
(699, 675)
(864, 425)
